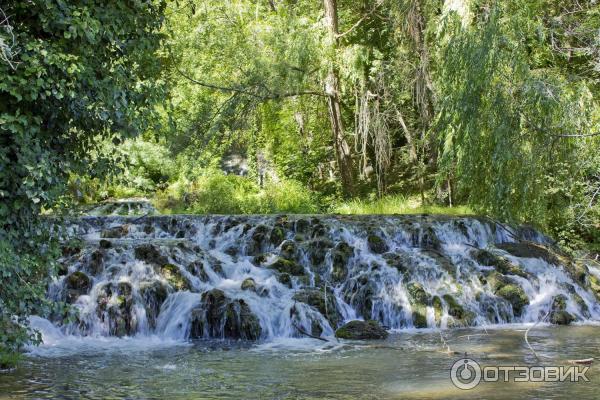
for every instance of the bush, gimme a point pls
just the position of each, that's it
(217, 193)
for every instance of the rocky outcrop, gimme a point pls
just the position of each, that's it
(150, 254)
(323, 301)
(77, 284)
(361, 330)
(221, 317)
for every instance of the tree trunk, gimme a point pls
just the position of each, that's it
(332, 85)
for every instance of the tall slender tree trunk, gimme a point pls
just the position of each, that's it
(332, 89)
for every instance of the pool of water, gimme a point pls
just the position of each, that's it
(406, 365)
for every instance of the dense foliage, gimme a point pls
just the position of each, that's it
(74, 76)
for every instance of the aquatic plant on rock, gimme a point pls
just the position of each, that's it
(361, 330)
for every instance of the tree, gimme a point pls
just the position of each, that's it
(78, 76)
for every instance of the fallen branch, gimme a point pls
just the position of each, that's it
(527, 332)
(303, 332)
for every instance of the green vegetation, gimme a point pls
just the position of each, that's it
(348, 106)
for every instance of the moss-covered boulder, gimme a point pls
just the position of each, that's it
(77, 284)
(317, 250)
(285, 279)
(340, 256)
(361, 330)
(221, 317)
(558, 313)
(288, 250)
(530, 250)
(277, 235)
(115, 232)
(323, 301)
(501, 264)
(248, 284)
(399, 261)
(173, 275)
(150, 254)
(154, 294)
(461, 316)
(376, 244)
(515, 295)
(96, 262)
(287, 266)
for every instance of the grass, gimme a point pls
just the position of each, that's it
(8, 359)
(396, 204)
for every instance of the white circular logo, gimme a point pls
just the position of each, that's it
(465, 373)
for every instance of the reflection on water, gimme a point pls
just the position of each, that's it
(407, 365)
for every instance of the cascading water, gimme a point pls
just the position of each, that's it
(261, 277)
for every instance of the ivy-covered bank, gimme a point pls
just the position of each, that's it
(74, 77)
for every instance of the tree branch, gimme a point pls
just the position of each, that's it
(339, 35)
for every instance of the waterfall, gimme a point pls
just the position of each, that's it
(265, 277)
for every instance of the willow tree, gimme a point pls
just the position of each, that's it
(511, 120)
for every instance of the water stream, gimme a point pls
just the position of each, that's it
(221, 304)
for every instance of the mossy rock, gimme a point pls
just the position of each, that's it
(221, 317)
(340, 256)
(77, 284)
(400, 261)
(461, 316)
(115, 232)
(419, 318)
(248, 284)
(105, 244)
(417, 294)
(285, 279)
(501, 264)
(317, 249)
(315, 297)
(561, 318)
(438, 308)
(443, 261)
(361, 330)
(150, 254)
(530, 250)
(96, 262)
(515, 295)
(376, 244)
(173, 275)
(287, 266)
(288, 250)
(277, 235)
(154, 294)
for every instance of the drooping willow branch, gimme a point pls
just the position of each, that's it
(248, 92)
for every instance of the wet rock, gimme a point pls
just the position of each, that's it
(425, 238)
(559, 315)
(361, 330)
(417, 294)
(561, 318)
(77, 284)
(277, 235)
(501, 264)
(288, 250)
(302, 226)
(148, 229)
(360, 292)
(173, 275)
(115, 232)
(376, 244)
(322, 301)
(71, 249)
(105, 244)
(220, 317)
(318, 249)
(154, 294)
(285, 279)
(340, 256)
(259, 238)
(419, 319)
(461, 316)
(150, 254)
(400, 261)
(515, 295)
(530, 250)
(249, 284)
(287, 266)
(96, 262)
